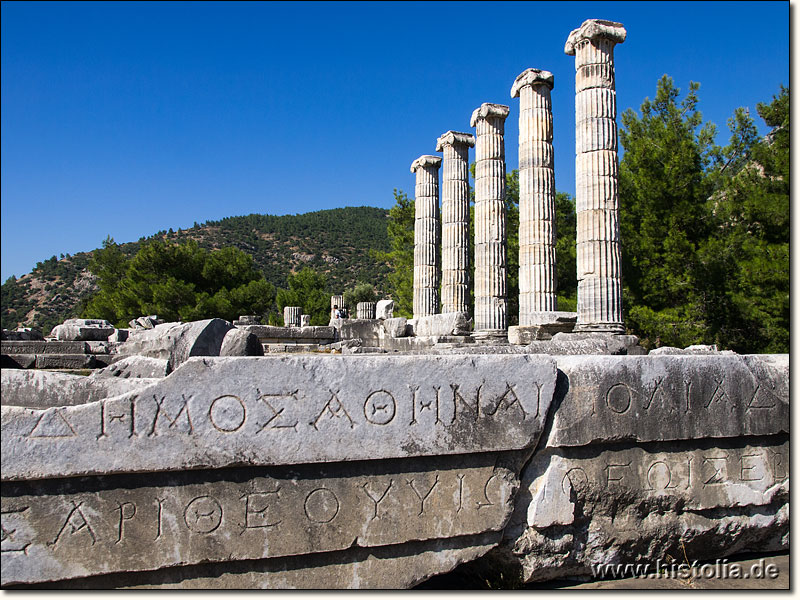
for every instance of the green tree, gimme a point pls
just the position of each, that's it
(307, 289)
(176, 282)
(362, 292)
(401, 253)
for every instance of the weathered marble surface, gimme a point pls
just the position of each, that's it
(83, 330)
(176, 342)
(219, 412)
(89, 526)
(658, 398)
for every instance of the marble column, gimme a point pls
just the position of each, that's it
(426, 235)
(596, 185)
(291, 316)
(537, 196)
(455, 219)
(365, 310)
(491, 305)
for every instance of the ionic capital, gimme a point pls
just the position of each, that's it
(487, 109)
(426, 160)
(592, 29)
(531, 77)
(454, 138)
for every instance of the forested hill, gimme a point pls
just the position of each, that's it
(340, 243)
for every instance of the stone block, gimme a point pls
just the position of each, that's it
(395, 327)
(455, 323)
(305, 320)
(135, 367)
(22, 334)
(658, 398)
(65, 361)
(273, 334)
(218, 412)
(697, 349)
(155, 520)
(148, 322)
(384, 309)
(368, 330)
(238, 342)
(18, 361)
(83, 330)
(176, 342)
(119, 335)
(42, 347)
(43, 389)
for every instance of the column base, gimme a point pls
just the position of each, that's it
(615, 328)
(490, 336)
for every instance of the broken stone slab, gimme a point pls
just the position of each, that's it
(42, 347)
(148, 322)
(176, 342)
(273, 334)
(384, 567)
(659, 398)
(368, 330)
(305, 320)
(91, 526)
(119, 335)
(454, 323)
(18, 361)
(277, 410)
(686, 476)
(22, 334)
(66, 361)
(696, 349)
(700, 500)
(293, 347)
(43, 389)
(395, 327)
(83, 330)
(340, 346)
(135, 367)
(238, 342)
(384, 309)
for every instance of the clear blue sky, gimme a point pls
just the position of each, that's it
(124, 119)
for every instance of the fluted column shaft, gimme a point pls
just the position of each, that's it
(455, 220)
(426, 235)
(491, 304)
(596, 183)
(537, 195)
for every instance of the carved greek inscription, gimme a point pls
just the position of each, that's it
(459, 399)
(271, 402)
(160, 502)
(778, 469)
(257, 518)
(689, 472)
(719, 395)
(203, 514)
(123, 516)
(509, 399)
(618, 398)
(321, 505)
(575, 478)
(486, 494)
(431, 405)
(174, 422)
(719, 466)
(333, 409)
(659, 476)
(422, 497)
(52, 424)
(227, 413)
(749, 468)
(614, 472)
(9, 540)
(77, 523)
(376, 500)
(656, 390)
(380, 408)
(762, 402)
(460, 492)
(108, 419)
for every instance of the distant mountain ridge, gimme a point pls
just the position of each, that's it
(339, 242)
